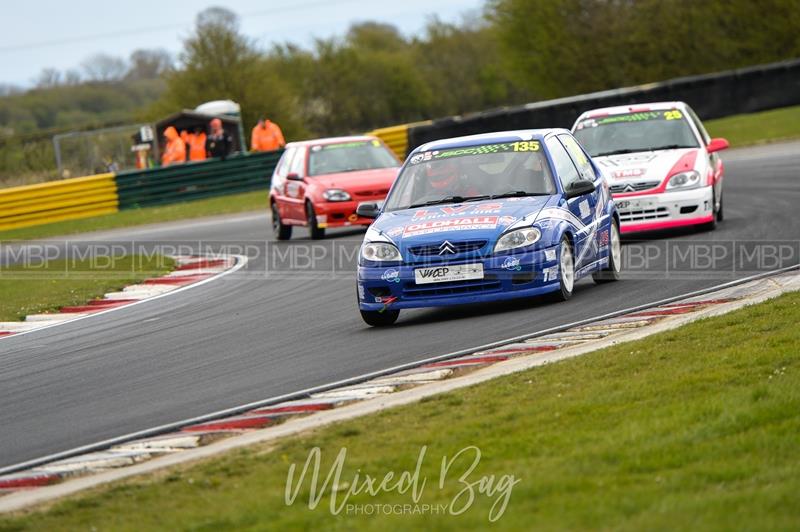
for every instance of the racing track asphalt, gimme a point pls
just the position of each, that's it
(248, 337)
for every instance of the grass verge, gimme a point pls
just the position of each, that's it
(692, 429)
(248, 201)
(757, 128)
(60, 283)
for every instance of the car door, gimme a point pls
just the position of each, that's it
(714, 161)
(295, 189)
(580, 206)
(586, 204)
(278, 185)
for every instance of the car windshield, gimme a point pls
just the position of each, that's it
(349, 157)
(472, 173)
(634, 132)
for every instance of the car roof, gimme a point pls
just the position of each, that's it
(330, 140)
(633, 108)
(487, 138)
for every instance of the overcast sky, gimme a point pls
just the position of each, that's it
(61, 34)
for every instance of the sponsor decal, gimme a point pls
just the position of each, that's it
(487, 208)
(394, 231)
(550, 254)
(445, 212)
(602, 238)
(455, 210)
(361, 292)
(506, 220)
(584, 208)
(391, 276)
(672, 114)
(511, 263)
(503, 147)
(341, 145)
(628, 172)
(551, 274)
(453, 224)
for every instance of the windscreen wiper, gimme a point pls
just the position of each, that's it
(518, 194)
(448, 199)
(670, 147)
(618, 152)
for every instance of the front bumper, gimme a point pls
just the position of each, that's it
(339, 214)
(535, 274)
(652, 212)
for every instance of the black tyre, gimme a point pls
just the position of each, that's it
(611, 272)
(279, 229)
(316, 231)
(566, 271)
(710, 226)
(375, 318)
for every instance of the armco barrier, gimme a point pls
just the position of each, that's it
(191, 181)
(718, 95)
(81, 197)
(396, 137)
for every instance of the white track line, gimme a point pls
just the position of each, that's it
(241, 261)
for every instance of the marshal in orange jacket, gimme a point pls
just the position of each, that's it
(266, 136)
(175, 148)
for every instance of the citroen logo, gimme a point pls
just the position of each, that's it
(446, 247)
(629, 188)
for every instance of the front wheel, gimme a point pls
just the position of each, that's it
(317, 232)
(611, 272)
(280, 230)
(566, 271)
(710, 226)
(383, 318)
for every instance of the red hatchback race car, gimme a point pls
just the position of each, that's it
(319, 183)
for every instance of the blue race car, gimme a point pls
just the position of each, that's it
(487, 218)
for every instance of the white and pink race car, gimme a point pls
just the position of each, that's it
(662, 166)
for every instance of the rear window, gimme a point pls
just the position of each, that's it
(349, 157)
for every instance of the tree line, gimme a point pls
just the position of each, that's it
(513, 52)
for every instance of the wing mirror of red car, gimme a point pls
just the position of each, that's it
(294, 177)
(717, 144)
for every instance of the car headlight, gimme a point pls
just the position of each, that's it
(380, 252)
(517, 239)
(336, 194)
(684, 180)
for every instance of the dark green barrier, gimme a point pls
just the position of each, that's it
(191, 181)
(746, 90)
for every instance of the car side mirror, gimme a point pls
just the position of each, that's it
(294, 177)
(717, 144)
(368, 209)
(579, 188)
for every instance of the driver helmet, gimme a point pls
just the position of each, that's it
(442, 174)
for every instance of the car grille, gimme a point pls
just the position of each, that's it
(643, 214)
(432, 250)
(488, 284)
(637, 187)
(372, 193)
